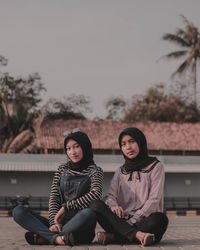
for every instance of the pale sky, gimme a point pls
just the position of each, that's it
(99, 48)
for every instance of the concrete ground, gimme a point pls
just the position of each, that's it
(183, 233)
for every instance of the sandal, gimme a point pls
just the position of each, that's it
(105, 238)
(68, 239)
(148, 239)
(35, 239)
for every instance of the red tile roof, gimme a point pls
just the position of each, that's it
(104, 134)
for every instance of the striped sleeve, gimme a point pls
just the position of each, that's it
(95, 192)
(54, 200)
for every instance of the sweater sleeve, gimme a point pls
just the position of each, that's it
(55, 199)
(155, 194)
(95, 192)
(113, 190)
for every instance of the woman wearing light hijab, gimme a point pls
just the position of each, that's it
(133, 210)
(75, 185)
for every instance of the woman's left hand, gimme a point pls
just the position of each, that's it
(118, 211)
(59, 217)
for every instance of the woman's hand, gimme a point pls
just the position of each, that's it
(118, 211)
(58, 219)
(54, 228)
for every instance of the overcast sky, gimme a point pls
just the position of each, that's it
(99, 48)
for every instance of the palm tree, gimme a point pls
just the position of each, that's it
(19, 117)
(189, 39)
(18, 128)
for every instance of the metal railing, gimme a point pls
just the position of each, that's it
(42, 203)
(181, 203)
(35, 203)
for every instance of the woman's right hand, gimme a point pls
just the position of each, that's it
(54, 228)
(118, 211)
(58, 218)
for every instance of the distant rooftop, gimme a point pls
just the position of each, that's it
(161, 136)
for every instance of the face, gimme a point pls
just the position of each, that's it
(129, 147)
(74, 151)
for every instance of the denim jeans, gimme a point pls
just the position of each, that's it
(82, 224)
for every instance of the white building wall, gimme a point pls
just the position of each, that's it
(33, 174)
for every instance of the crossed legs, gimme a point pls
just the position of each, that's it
(81, 225)
(155, 224)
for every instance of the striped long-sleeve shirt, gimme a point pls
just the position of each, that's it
(55, 202)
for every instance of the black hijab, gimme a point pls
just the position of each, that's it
(142, 160)
(83, 140)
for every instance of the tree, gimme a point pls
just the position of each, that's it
(157, 105)
(19, 100)
(3, 61)
(72, 107)
(115, 107)
(189, 39)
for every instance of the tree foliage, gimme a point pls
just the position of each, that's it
(157, 105)
(115, 107)
(22, 91)
(72, 107)
(19, 100)
(20, 114)
(189, 40)
(3, 61)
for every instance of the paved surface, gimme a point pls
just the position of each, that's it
(183, 233)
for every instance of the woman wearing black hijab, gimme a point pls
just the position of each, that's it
(133, 210)
(75, 185)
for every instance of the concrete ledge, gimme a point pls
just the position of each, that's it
(191, 213)
(4, 213)
(168, 213)
(171, 213)
(182, 213)
(44, 213)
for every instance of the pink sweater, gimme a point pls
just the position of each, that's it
(138, 198)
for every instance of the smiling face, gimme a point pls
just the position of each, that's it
(74, 151)
(129, 147)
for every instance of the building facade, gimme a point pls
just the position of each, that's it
(31, 175)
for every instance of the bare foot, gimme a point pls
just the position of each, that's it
(59, 241)
(146, 239)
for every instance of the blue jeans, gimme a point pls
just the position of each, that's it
(82, 224)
